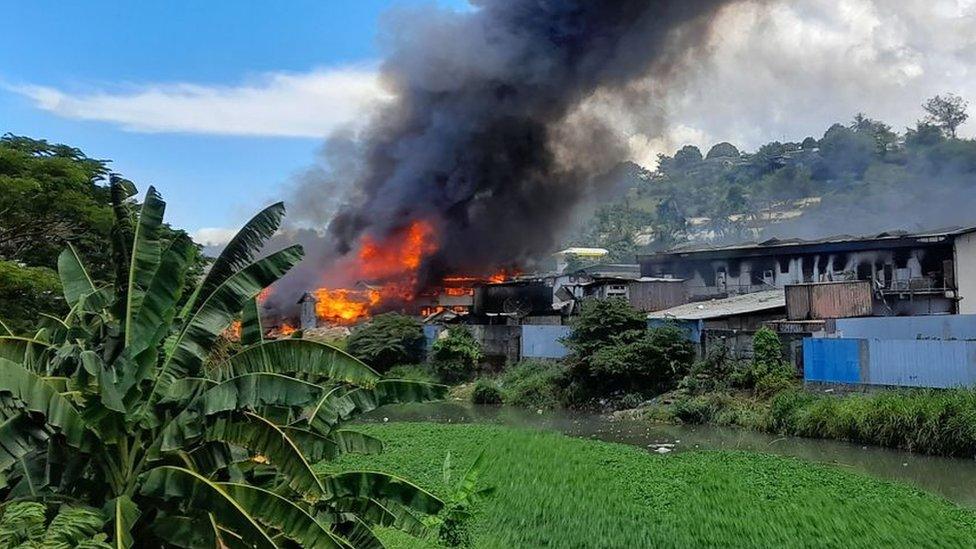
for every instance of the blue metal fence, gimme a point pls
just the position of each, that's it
(945, 327)
(832, 360)
(544, 341)
(895, 362)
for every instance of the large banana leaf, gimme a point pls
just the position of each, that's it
(123, 515)
(18, 437)
(252, 333)
(146, 252)
(186, 532)
(299, 356)
(283, 515)
(238, 253)
(317, 447)
(27, 351)
(390, 516)
(245, 392)
(380, 486)
(154, 318)
(75, 280)
(33, 394)
(188, 350)
(266, 439)
(203, 495)
(354, 442)
(336, 406)
(121, 191)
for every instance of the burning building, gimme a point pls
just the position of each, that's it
(488, 143)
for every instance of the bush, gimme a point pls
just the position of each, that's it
(533, 384)
(413, 372)
(486, 391)
(455, 356)
(714, 372)
(652, 364)
(768, 373)
(387, 340)
(603, 322)
(704, 409)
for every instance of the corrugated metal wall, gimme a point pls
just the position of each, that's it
(947, 327)
(832, 360)
(921, 363)
(656, 295)
(828, 300)
(894, 362)
(544, 341)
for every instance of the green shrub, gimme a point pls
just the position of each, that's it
(486, 391)
(387, 340)
(768, 373)
(455, 357)
(533, 384)
(651, 364)
(714, 372)
(710, 408)
(603, 322)
(413, 372)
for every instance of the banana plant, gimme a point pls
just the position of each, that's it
(116, 407)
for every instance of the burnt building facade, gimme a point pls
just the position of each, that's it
(910, 274)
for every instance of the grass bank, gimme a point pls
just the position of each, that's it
(938, 422)
(562, 492)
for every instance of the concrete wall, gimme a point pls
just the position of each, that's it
(965, 266)
(544, 341)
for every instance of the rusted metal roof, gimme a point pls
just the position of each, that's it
(730, 306)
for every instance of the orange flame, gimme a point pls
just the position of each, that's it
(342, 306)
(398, 254)
(286, 329)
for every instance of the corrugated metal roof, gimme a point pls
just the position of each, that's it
(730, 306)
(691, 248)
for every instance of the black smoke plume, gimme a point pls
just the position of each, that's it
(484, 138)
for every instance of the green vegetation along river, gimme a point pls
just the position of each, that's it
(952, 478)
(558, 491)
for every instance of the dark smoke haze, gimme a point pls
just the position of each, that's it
(482, 139)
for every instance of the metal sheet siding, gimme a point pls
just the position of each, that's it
(543, 341)
(945, 327)
(828, 300)
(431, 331)
(649, 296)
(921, 363)
(832, 360)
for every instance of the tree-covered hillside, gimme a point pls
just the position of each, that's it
(858, 178)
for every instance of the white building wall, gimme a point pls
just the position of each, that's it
(965, 263)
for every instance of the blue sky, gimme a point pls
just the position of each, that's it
(216, 103)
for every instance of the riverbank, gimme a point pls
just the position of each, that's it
(559, 491)
(935, 422)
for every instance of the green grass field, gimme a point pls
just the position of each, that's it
(555, 491)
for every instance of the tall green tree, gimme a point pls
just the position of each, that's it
(112, 413)
(947, 112)
(50, 195)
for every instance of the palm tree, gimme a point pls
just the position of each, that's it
(115, 409)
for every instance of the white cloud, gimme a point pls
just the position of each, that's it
(279, 104)
(783, 70)
(213, 236)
